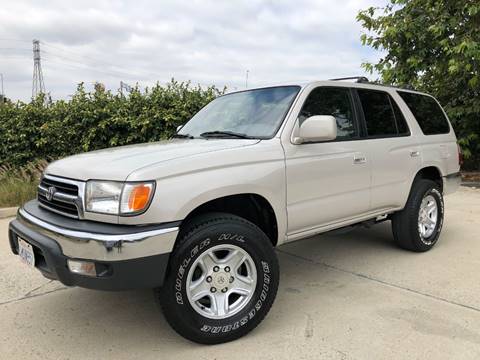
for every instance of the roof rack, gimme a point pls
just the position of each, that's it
(363, 79)
(359, 79)
(401, 87)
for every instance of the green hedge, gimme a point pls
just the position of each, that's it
(95, 120)
(101, 119)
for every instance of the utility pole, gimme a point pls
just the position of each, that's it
(246, 79)
(38, 86)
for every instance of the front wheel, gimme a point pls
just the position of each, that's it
(222, 280)
(417, 227)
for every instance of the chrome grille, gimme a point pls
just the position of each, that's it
(62, 196)
(65, 188)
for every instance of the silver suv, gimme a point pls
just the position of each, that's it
(197, 217)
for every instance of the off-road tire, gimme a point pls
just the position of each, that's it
(194, 239)
(405, 223)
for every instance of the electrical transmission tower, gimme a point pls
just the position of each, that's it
(126, 87)
(38, 86)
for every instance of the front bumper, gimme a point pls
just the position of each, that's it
(125, 257)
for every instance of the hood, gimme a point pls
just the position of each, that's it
(117, 163)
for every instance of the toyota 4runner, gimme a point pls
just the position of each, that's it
(197, 217)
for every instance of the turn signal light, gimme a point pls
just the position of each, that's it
(139, 197)
(136, 197)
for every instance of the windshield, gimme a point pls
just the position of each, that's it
(252, 114)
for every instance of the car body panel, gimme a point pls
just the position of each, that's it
(189, 183)
(119, 162)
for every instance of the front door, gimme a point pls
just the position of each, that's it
(327, 182)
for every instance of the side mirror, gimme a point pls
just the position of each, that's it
(179, 127)
(317, 128)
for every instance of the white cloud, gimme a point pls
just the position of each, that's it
(208, 42)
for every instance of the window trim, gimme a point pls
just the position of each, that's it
(364, 121)
(355, 114)
(393, 103)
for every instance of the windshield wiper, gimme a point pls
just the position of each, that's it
(222, 134)
(183, 136)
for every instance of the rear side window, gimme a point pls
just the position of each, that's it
(428, 113)
(383, 118)
(332, 101)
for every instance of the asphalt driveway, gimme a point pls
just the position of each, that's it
(342, 296)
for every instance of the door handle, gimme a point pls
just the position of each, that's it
(359, 159)
(414, 153)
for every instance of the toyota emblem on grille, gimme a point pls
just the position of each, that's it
(50, 192)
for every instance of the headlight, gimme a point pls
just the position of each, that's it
(103, 196)
(110, 197)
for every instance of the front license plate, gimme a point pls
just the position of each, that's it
(25, 251)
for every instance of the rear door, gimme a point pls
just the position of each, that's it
(438, 141)
(394, 152)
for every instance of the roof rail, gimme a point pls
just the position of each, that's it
(359, 79)
(401, 87)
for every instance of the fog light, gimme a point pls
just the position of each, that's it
(86, 268)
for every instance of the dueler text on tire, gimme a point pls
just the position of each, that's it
(222, 279)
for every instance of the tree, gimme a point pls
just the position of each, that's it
(433, 45)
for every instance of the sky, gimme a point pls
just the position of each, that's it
(207, 42)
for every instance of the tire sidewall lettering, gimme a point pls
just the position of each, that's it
(181, 271)
(262, 289)
(439, 199)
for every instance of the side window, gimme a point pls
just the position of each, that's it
(378, 112)
(428, 113)
(331, 101)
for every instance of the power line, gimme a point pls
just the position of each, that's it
(78, 67)
(11, 39)
(78, 62)
(58, 56)
(78, 55)
(49, 45)
(81, 65)
(95, 62)
(14, 56)
(16, 49)
(72, 61)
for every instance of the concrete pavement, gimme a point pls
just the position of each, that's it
(342, 296)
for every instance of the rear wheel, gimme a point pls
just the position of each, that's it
(222, 279)
(417, 227)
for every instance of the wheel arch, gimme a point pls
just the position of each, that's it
(430, 172)
(250, 206)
